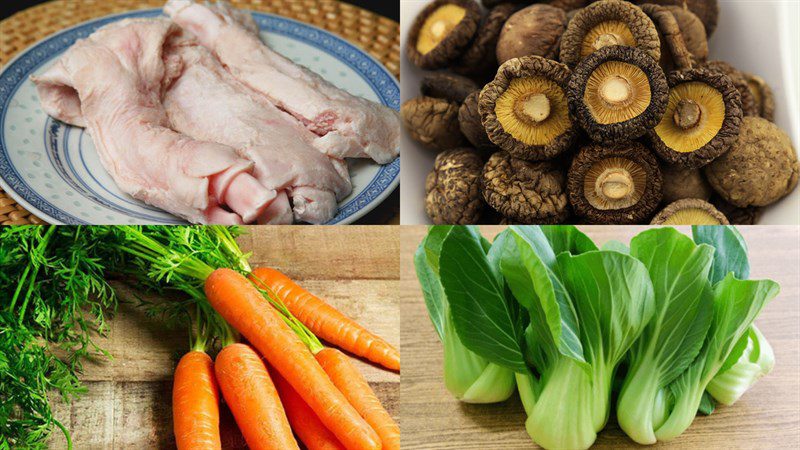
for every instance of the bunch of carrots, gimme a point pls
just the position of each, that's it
(272, 371)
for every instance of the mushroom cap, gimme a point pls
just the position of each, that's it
(469, 120)
(568, 5)
(706, 10)
(525, 192)
(550, 79)
(679, 183)
(639, 30)
(674, 51)
(726, 122)
(535, 30)
(749, 107)
(638, 64)
(762, 94)
(636, 158)
(433, 122)
(735, 214)
(692, 31)
(480, 57)
(448, 86)
(690, 211)
(453, 188)
(453, 44)
(760, 168)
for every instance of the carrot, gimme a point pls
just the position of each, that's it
(195, 403)
(355, 388)
(327, 322)
(244, 307)
(253, 399)
(305, 423)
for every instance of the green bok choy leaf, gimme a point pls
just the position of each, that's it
(586, 310)
(469, 376)
(678, 269)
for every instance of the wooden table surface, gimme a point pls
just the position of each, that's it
(767, 416)
(128, 404)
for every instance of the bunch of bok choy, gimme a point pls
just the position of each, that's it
(670, 318)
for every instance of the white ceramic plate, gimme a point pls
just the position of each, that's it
(757, 36)
(52, 169)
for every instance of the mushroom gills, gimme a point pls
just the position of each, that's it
(438, 25)
(614, 183)
(533, 110)
(604, 34)
(617, 91)
(691, 216)
(694, 115)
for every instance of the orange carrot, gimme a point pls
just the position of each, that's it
(195, 403)
(253, 399)
(245, 308)
(355, 388)
(327, 322)
(305, 423)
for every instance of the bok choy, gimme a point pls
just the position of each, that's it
(661, 328)
(470, 377)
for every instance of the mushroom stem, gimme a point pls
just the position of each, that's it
(533, 108)
(439, 29)
(607, 39)
(616, 90)
(687, 114)
(614, 184)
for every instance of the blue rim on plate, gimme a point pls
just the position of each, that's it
(17, 71)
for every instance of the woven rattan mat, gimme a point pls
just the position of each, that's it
(377, 35)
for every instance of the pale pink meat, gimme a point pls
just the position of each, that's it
(345, 125)
(207, 103)
(111, 83)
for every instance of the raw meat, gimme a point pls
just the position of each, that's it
(207, 103)
(346, 125)
(180, 128)
(111, 84)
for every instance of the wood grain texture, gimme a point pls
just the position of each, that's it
(768, 416)
(128, 403)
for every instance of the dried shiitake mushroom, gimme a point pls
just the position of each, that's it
(568, 5)
(535, 30)
(453, 188)
(469, 120)
(692, 31)
(608, 23)
(759, 169)
(690, 211)
(619, 184)
(441, 32)
(525, 192)
(524, 109)
(454, 88)
(736, 215)
(701, 121)
(739, 80)
(489, 4)
(674, 53)
(433, 122)
(480, 58)
(762, 94)
(617, 93)
(679, 183)
(706, 10)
